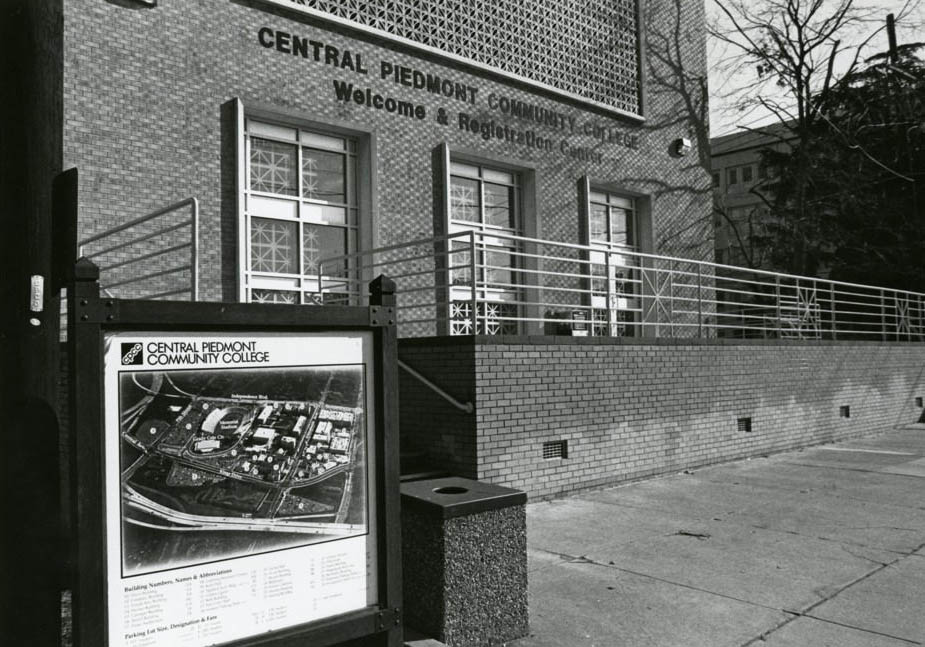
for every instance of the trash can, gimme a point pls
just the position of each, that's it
(464, 561)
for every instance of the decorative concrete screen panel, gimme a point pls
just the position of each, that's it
(588, 49)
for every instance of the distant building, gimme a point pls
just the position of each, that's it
(263, 435)
(208, 445)
(740, 179)
(340, 444)
(322, 432)
(266, 413)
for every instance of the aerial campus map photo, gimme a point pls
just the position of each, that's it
(218, 464)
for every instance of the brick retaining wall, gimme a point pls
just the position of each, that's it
(629, 408)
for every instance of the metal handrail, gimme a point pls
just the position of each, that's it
(543, 287)
(602, 250)
(192, 244)
(462, 406)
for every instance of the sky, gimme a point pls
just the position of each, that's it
(725, 118)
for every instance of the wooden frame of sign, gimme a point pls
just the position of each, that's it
(235, 474)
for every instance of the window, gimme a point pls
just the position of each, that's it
(732, 177)
(300, 206)
(485, 201)
(715, 180)
(612, 228)
(613, 220)
(746, 173)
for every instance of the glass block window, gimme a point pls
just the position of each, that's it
(274, 296)
(493, 318)
(274, 246)
(273, 166)
(300, 208)
(587, 49)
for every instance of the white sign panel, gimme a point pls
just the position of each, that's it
(238, 470)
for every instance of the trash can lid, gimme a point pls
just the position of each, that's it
(454, 496)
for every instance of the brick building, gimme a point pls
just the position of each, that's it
(522, 170)
(741, 191)
(308, 130)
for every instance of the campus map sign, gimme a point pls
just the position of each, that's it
(238, 480)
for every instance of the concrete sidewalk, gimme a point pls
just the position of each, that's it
(810, 548)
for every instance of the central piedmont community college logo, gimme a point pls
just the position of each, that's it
(132, 354)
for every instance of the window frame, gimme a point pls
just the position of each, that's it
(450, 299)
(611, 203)
(625, 311)
(355, 151)
(455, 226)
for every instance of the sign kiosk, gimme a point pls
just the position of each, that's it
(235, 472)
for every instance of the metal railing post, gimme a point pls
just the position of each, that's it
(882, 316)
(921, 316)
(588, 271)
(671, 322)
(812, 312)
(780, 323)
(699, 301)
(609, 288)
(473, 284)
(194, 251)
(833, 310)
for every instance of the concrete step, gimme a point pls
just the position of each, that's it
(414, 638)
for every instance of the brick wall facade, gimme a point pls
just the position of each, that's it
(631, 409)
(146, 91)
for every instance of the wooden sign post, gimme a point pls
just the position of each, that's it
(235, 472)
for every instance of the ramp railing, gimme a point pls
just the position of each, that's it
(487, 283)
(155, 256)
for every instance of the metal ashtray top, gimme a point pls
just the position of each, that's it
(454, 496)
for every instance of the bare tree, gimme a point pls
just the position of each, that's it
(795, 52)
(682, 83)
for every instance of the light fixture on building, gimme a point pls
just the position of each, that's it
(681, 147)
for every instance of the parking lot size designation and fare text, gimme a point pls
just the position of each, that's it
(238, 480)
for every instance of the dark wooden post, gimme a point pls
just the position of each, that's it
(382, 291)
(86, 493)
(382, 313)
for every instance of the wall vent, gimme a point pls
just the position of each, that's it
(555, 449)
(744, 425)
(844, 411)
(918, 402)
